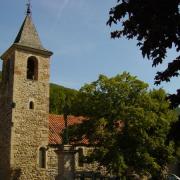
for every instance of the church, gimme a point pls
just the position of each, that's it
(30, 143)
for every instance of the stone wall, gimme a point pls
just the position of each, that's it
(30, 130)
(61, 162)
(52, 162)
(6, 89)
(24, 130)
(87, 167)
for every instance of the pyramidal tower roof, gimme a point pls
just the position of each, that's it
(28, 35)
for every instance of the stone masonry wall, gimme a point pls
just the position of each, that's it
(6, 85)
(52, 163)
(87, 167)
(30, 126)
(22, 130)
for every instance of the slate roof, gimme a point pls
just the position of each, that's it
(27, 39)
(56, 125)
(28, 35)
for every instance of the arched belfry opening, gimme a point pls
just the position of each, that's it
(32, 68)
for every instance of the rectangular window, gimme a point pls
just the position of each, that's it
(42, 157)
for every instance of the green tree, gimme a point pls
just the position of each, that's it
(156, 26)
(178, 111)
(61, 99)
(127, 125)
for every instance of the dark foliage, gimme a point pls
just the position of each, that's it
(156, 26)
(175, 98)
(175, 133)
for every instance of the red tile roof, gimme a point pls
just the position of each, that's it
(56, 125)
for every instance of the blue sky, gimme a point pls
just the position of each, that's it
(76, 31)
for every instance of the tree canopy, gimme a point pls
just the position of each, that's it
(61, 99)
(156, 26)
(127, 125)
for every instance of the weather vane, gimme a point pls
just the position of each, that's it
(29, 7)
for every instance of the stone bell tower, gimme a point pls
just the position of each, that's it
(24, 106)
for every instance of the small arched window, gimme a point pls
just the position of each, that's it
(42, 157)
(31, 105)
(32, 68)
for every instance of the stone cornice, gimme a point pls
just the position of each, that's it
(25, 48)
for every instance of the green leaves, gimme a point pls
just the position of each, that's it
(127, 125)
(155, 24)
(61, 99)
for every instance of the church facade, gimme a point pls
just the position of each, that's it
(30, 143)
